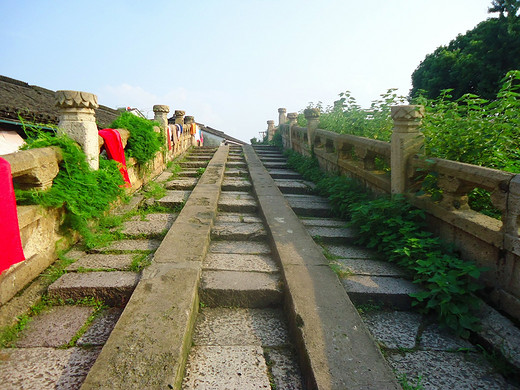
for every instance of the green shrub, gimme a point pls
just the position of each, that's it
(144, 142)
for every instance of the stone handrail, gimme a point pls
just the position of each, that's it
(490, 242)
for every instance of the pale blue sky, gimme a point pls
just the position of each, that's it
(230, 63)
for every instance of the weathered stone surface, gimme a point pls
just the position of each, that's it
(332, 234)
(284, 369)
(114, 288)
(101, 327)
(238, 231)
(189, 172)
(193, 164)
(245, 247)
(351, 252)
(173, 198)
(284, 174)
(45, 368)
(228, 367)
(275, 164)
(236, 184)
(325, 222)
(236, 165)
(238, 218)
(446, 370)
(243, 289)
(393, 329)
(436, 339)
(185, 183)
(294, 187)
(164, 176)
(146, 244)
(102, 261)
(239, 262)
(232, 172)
(369, 267)
(153, 225)
(55, 327)
(393, 292)
(309, 205)
(237, 202)
(223, 326)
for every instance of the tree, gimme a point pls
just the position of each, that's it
(474, 62)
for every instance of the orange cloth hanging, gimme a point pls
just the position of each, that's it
(193, 129)
(115, 151)
(10, 241)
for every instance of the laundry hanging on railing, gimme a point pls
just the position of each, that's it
(115, 151)
(179, 130)
(169, 136)
(10, 241)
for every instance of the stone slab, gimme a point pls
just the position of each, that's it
(185, 183)
(236, 165)
(239, 262)
(100, 329)
(226, 368)
(240, 247)
(232, 172)
(236, 184)
(369, 267)
(45, 368)
(238, 218)
(240, 289)
(284, 174)
(275, 164)
(55, 327)
(351, 252)
(325, 222)
(114, 288)
(193, 164)
(238, 231)
(448, 370)
(309, 205)
(154, 225)
(294, 187)
(393, 329)
(284, 368)
(173, 198)
(188, 172)
(131, 245)
(163, 176)
(99, 261)
(434, 338)
(332, 234)
(236, 326)
(237, 202)
(390, 291)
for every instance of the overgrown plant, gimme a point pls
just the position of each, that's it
(144, 142)
(397, 229)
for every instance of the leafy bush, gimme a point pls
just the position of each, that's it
(144, 142)
(397, 229)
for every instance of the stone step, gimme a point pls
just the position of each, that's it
(184, 184)
(275, 165)
(164, 176)
(239, 262)
(240, 247)
(299, 187)
(235, 158)
(236, 184)
(238, 218)
(173, 198)
(273, 158)
(131, 245)
(100, 261)
(327, 234)
(236, 165)
(284, 174)
(240, 289)
(203, 150)
(238, 202)
(152, 225)
(309, 205)
(189, 172)
(193, 164)
(232, 172)
(199, 157)
(113, 288)
(238, 231)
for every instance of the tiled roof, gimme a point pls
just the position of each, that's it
(37, 104)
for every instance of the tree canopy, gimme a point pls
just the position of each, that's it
(474, 62)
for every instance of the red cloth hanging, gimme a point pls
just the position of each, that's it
(169, 135)
(10, 243)
(115, 151)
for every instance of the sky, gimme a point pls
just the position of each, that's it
(229, 63)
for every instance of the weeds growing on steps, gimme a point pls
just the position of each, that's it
(398, 230)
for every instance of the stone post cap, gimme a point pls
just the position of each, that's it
(180, 113)
(161, 108)
(270, 122)
(76, 99)
(292, 115)
(189, 119)
(282, 110)
(407, 118)
(311, 113)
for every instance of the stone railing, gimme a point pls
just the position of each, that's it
(37, 168)
(398, 167)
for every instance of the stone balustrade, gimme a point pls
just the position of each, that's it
(397, 167)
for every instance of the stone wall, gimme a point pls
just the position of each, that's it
(491, 243)
(36, 168)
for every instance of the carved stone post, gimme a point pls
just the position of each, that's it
(179, 117)
(282, 118)
(78, 121)
(313, 119)
(407, 140)
(161, 114)
(270, 130)
(293, 118)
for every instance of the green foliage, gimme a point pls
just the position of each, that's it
(406, 384)
(277, 140)
(474, 62)
(398, 230)
(153, 190)
(85, 194)
(200, 171)
(140, 262)
(144, 142)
